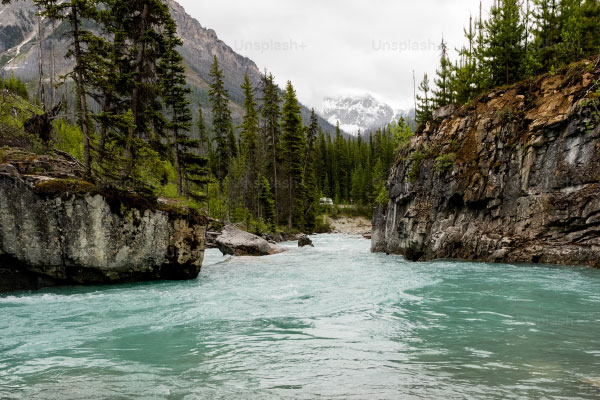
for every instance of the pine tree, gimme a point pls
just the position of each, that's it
(482, 74)
(444, 95)
(424, 108)
(205, 141)
(267, 201)
(141, 22)
(249, 148)
(571, 33)
(222, 122)
(464, 81)
(546, 34)
(171, 75)
(590, 27)
(293, 145)
(311, 137)
(74, 13)
(504, 51)
(309, 175)
(271, 132)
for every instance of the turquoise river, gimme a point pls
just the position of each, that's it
(333, 322)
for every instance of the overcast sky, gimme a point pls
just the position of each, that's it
(340, 47)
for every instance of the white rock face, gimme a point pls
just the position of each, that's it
(89, 238)
(364, 113)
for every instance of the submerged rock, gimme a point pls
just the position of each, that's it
(305, 241)
(60, 232)
(235, 242)
(511, 177)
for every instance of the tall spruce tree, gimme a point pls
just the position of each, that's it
(173, 89)
(142, 22)
(443, 95)
(546, 34)
(271, 131)
(590, 27)
(293, 147)
(222, 121)
(309, 174)
(424, 110)
(75, 13)
(504, 51)
(203, 136)
(249, 148)
(464, 79)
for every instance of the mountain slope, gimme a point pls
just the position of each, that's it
(19, 54)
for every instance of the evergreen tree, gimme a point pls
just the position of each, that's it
(546, 34)
(444, 95)
(590, 27)
(205, 141)
(424, 108)
(267, 201)
(174, 92)
(271, 132)
(249, 148)
(311, 137)
(465, 78)
(222, 122)
(504, 51)
(309, 175)
(293, 146)
(74, 13)
(142, 23)
(571, 33)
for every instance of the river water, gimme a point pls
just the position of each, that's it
(331, 322)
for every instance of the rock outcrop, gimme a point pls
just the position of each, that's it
(512, 177)
(56, 229)
(305, 241)
(235, 242)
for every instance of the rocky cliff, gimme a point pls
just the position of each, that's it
(56, 229)
(512, 177)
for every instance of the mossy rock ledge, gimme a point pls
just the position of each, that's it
(57, 231)
(513, 177)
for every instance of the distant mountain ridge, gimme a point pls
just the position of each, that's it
(19, 54)
(364, 113)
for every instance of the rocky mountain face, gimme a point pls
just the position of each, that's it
(512, 177)
(364, 113)
(56, 229)
(19, 52)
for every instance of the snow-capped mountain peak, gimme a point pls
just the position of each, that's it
(354, 113)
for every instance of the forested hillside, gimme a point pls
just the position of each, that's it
(513, 41)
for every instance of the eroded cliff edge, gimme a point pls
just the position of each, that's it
(56, 229)
(512, 177)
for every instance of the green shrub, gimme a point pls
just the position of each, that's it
(69, 138)
(15, 85)
(383, 196)
(445, 162)
(416, 159)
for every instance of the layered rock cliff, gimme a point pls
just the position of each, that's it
(512, 177)
(56, 229)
